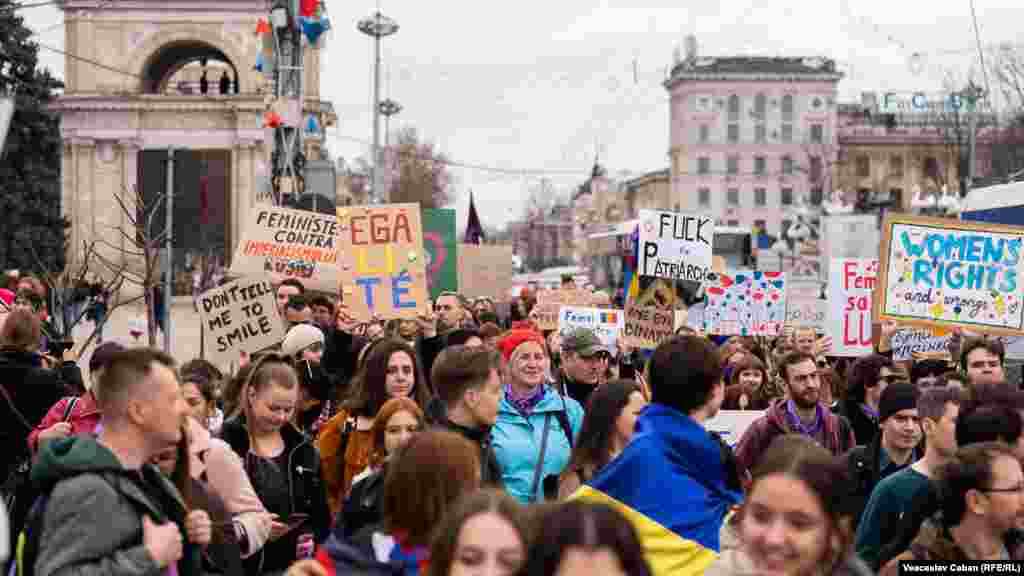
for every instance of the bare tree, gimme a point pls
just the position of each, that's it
(1008, 73)
(84, 278)
(141, 248)
(420, 173)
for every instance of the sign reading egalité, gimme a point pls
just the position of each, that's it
(675, 245)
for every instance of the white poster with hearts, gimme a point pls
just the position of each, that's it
(675, 245)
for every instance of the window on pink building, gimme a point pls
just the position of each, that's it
(732, 165)
(787, 108)
(734, 108)
(817, 133)
(787, 133)
(705, 133)
(734, 133)
(732, 196)
(704, 197)
(760, 197)
(787, 165)
(760, 164)
(760, 133)
(733, 223)
(815, 168)
(786, 196)
(704, 165)
(760, 107)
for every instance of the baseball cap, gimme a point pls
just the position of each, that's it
(584, 342)
(102, 355)
(300, 337)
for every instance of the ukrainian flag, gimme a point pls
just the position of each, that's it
(670, 484)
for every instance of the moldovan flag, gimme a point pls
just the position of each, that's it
(670, 484)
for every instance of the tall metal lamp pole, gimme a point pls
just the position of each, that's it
(378, 26)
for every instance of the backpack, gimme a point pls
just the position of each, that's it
(24, 556)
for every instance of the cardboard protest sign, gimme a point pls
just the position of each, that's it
(383, 267)
(240, 316)
(484, 270)
(289, 243)
(545, 313)
(675, 245)
(731, 424)
(745, 303)
(439, 241)
(606, 324)
(905, 343)
(651, 311)
(805, 306)
(851, 284)
(941, 272)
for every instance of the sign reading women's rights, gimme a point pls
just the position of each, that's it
(851, 284)
(745, 303)
(675, 245)
(383, 267)
(240, 316)
(947, 272)
(289, 243)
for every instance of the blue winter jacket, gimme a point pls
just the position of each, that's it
(516, 441)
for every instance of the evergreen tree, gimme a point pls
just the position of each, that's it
(30, 186)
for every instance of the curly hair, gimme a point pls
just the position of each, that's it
(863, 374)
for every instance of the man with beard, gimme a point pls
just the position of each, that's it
(799, 413)
(886, 515)
(451, 315)
(894, 445)
(584, 363)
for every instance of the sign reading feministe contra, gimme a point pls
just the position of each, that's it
(851, 283)
(675, 245)
(290, 243)
(606, 324)
(383, 267)
(745, 303)
(240, 316)
(943, 272)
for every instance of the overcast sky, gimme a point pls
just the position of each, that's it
(545, 85)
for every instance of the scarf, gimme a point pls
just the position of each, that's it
(869, 412)
(796, 424)
(415, 560)
(525, 404)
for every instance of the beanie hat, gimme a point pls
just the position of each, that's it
(515, 338)
(897, 396)
(102, 355)
(300, 337)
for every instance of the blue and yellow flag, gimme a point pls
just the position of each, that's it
(670, 483)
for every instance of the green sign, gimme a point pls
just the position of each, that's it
(439, 242)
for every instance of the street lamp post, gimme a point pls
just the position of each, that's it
(378, 26)
(388, 108)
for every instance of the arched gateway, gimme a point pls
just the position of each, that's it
(143, 76)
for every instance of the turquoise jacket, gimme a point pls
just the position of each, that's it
(516, 440)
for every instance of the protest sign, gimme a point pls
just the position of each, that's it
(647, 326)
(849, 236)
(745, 303)
(731, 424)
(804, 305)
(907, 342)
(289, 243)
(484, 270)
(675, 245)
(941, 272)
(439, 241)
(851, 284)
(606, 324)
(545, 313)
(383, 268)
(240, 316)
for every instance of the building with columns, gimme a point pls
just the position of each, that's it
(751, 136)
(132, 91)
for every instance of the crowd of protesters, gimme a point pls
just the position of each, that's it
(462, 443)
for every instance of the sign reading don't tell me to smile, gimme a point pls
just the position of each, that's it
(383, 264)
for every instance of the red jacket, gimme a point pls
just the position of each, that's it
(84, 419)
(836, 430)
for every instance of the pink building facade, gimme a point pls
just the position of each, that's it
(752, 137)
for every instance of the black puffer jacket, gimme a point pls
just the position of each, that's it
(306, 494)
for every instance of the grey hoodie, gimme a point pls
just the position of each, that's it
(92, 525)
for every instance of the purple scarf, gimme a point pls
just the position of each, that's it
(797, 425)
(869, 412)
(525, 404)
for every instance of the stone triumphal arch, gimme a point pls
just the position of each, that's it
(143, 76)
